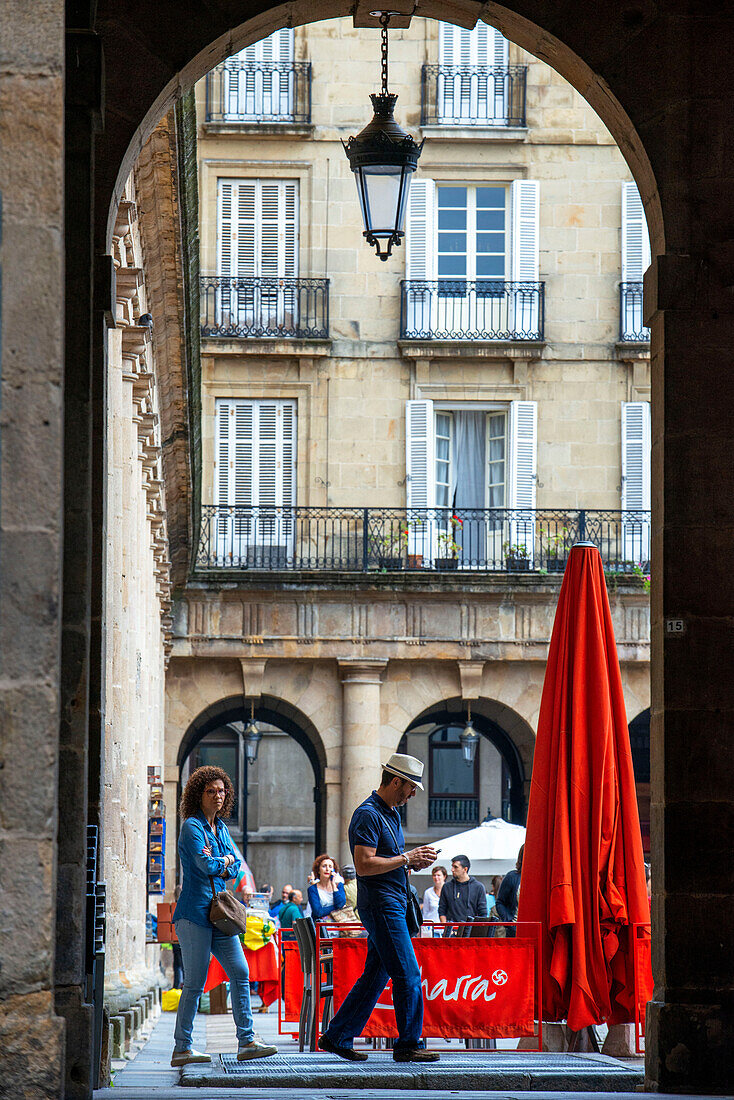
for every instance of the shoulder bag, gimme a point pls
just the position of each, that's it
(413, 912)
(227, 914)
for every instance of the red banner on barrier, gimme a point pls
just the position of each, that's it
(473, 988)
(292, 983)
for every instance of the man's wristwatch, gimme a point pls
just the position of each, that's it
(407, 861)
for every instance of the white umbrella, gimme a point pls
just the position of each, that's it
(492, 848)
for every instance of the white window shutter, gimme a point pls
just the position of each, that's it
(245, 228)
(420, 481)
(225, 233)
(420, 248)
(525, 200)
(635, 237)
(447, 36)
(499, 53)
(283, 44)
(523, 471)
(289, 228)
(635, 479)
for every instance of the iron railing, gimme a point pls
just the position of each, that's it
(473, 95)
(264, 306)
(259, 91)
(471, 309)
(453, 811)
(512, 540)
(631, 326)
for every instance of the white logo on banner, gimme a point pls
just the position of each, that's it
(499, 977)
(460, 991)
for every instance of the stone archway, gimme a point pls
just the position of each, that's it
(645, 69)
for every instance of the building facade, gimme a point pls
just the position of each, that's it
(397, 457)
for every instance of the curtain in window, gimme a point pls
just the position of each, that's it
(468, 473)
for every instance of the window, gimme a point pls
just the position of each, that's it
(635, 262)
(257, 245)
(472, 239)
(258, 81)
(465, 461)
(473, 79)
(453, 785)
(255, 481)
(220, 750)
(635, 481)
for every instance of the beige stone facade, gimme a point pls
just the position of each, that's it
(355, 661)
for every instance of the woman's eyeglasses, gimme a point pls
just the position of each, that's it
(218, 792)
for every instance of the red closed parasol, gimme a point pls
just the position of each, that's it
(583, 874)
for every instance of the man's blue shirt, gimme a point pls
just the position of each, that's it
(196, 891)
(375, 825)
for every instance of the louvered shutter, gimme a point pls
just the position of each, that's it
(525, 203)
(523, 470)
(635, 481)
(420, 469)
(420, 256)
(222, 473)
(635, 238)
(226, 250)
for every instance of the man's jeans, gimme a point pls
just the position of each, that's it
(390, 954)
(197, 944)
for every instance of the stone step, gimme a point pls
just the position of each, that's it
(498, 1071)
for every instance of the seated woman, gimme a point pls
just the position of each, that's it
(327, 892)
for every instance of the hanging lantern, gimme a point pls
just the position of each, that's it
(383, 158)
(469, 739)
(252, 736)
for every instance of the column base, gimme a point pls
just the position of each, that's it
(32, 1041)
(689, 1048)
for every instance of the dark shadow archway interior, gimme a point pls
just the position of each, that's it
(449, 711)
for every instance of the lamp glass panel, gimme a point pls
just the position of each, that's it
(382, 194)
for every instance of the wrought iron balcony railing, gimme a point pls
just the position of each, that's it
(384, 540)
(473, 95)
(453, 811)
(265, 307)
(476, 309)
(631, 326)
(259, 91)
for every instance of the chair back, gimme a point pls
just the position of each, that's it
(306, 940)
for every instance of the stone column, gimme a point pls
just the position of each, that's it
(361, 740)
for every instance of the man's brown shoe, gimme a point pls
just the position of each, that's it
(348, 1053)
(415, 1054)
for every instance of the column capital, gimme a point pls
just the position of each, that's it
(355, 670)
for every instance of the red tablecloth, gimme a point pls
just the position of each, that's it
(263, 965)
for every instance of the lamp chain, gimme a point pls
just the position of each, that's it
(384, 20)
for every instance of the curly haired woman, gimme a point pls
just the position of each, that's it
(206, 852)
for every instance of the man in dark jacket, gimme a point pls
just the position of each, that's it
(463, 897)
(508, 895)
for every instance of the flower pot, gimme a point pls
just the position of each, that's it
(556, 565)
(390, 564)
(446, 564)
(415, 561)
(517, 565)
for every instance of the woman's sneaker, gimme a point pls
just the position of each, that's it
(256, 1048)
(185, 1057)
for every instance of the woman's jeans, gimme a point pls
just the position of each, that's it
(390, 954)
(197, 944)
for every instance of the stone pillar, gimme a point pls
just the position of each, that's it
(361, 740)
(690, 1021)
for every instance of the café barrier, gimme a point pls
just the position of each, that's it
(475, 986)
(642, 970)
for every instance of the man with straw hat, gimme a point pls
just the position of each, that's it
(376, 841)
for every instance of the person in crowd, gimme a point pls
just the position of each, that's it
(327, 892)
(275, 909)
(267, 890)
(299, 899)
(648, 883)
(290, 912)
(350, 885)
(377, 844)
(508, 894)
(178, 970)
(463, 898)
(432, 895)
(207, 855)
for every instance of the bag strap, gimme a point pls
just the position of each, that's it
(397, 845)
(214, 892)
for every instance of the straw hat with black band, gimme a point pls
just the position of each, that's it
(405, 767)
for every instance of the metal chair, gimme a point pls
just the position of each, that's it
(312, 961)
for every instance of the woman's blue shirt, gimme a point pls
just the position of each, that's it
(196, 891)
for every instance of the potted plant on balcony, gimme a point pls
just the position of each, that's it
(388, 546)
(517, 557)
(448, 555)
(556, 549)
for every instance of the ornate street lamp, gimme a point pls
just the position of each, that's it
(469, 739)
(383, 158)
(252, 736)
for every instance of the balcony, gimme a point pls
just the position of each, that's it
(453, 811)
(631, 327)
(473, 95)
(433, 541)
(264, 306)
(479, 309)
(248, 92)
